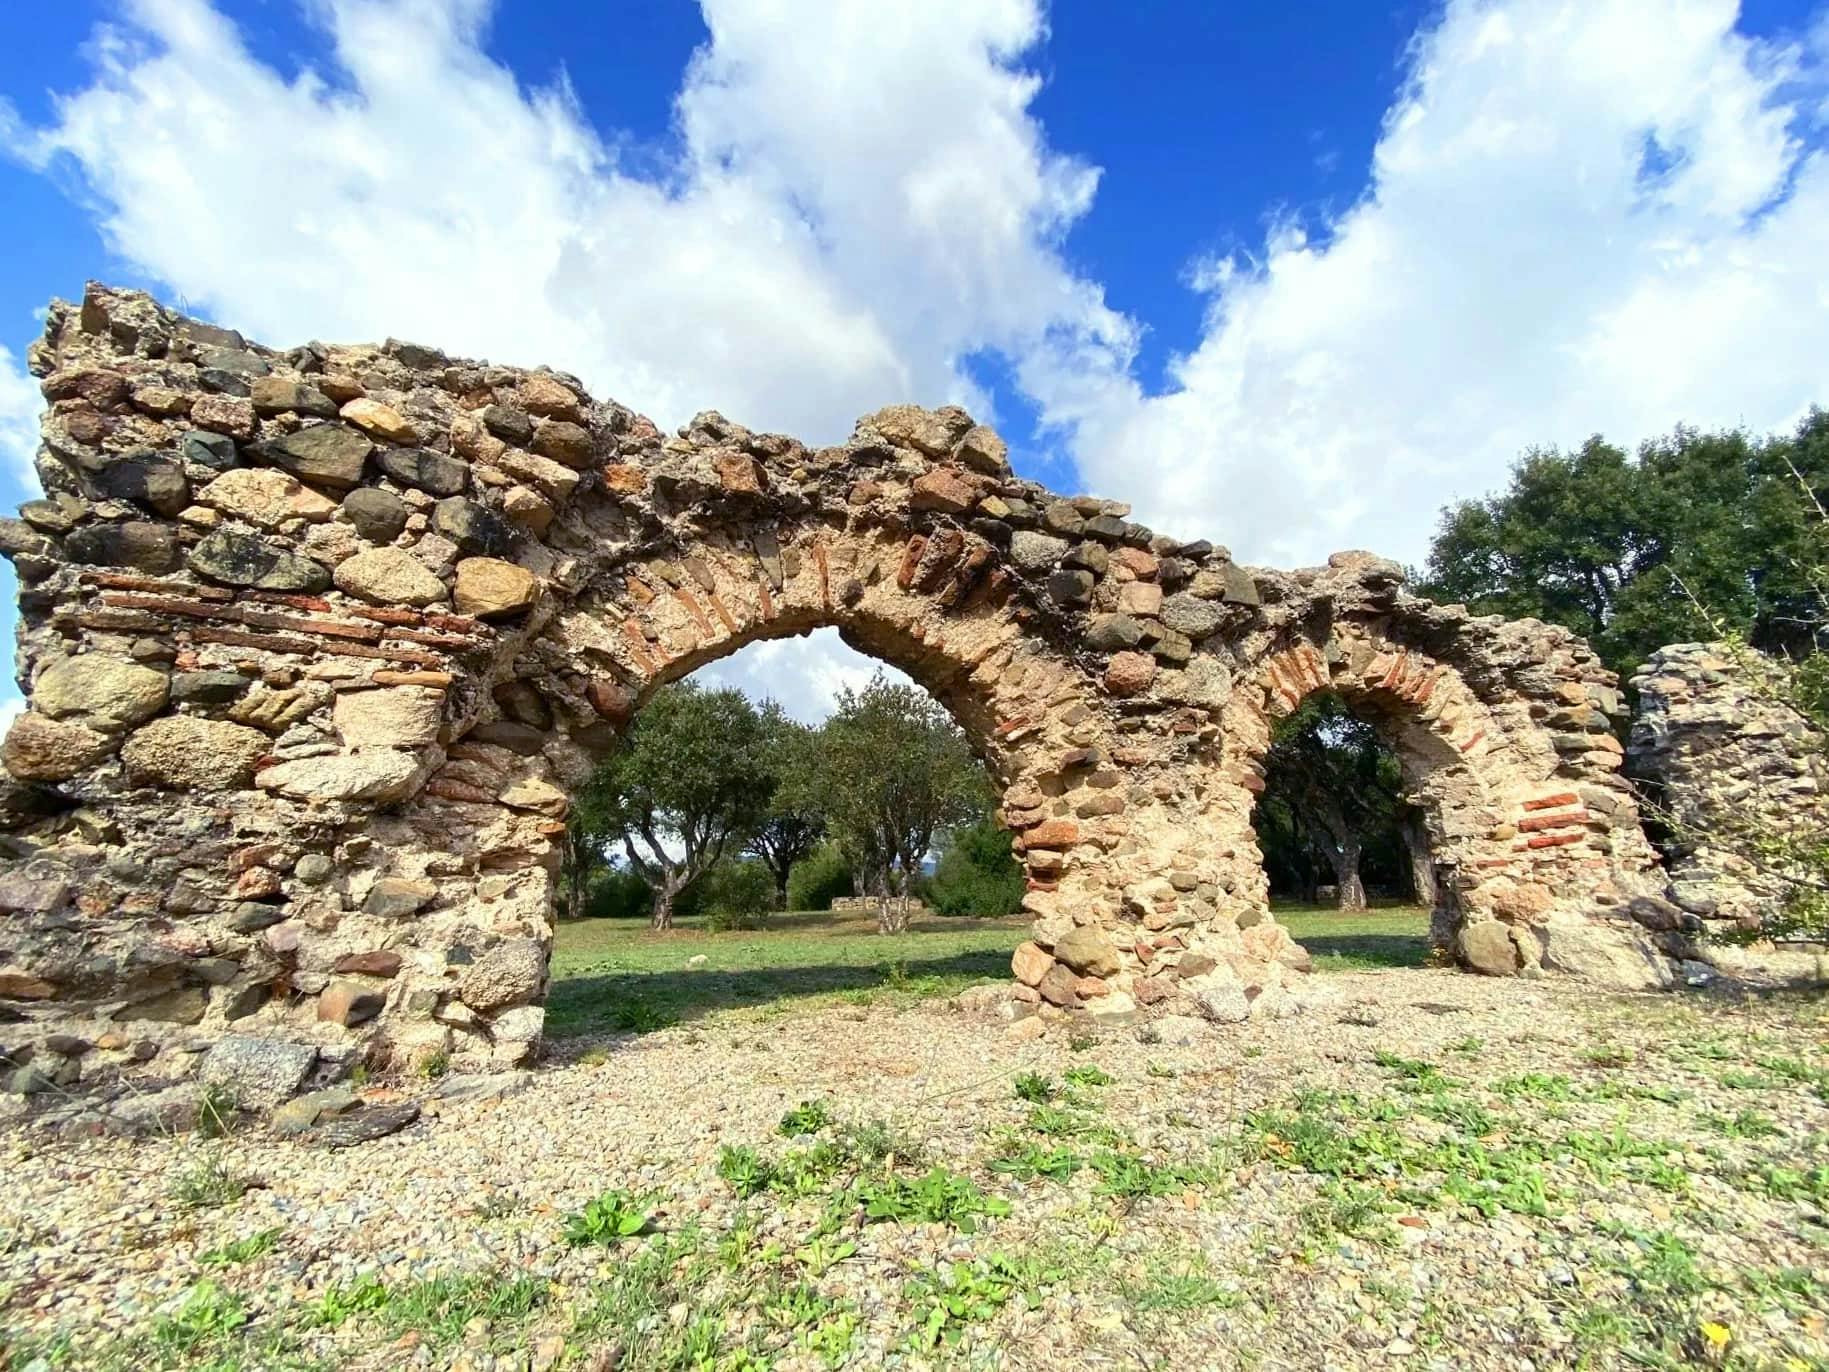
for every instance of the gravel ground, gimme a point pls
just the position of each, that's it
(1429, 1170)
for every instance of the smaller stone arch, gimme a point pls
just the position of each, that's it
(1504, 733)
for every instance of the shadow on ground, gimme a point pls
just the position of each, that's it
(1367, 952)
(641, 1002)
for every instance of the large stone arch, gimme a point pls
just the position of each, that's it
(315, 641)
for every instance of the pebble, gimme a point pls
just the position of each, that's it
(94, 1245)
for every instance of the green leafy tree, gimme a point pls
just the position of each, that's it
(1623, 549)
(819, 877)
(584, 858)
(794, 825)
(687, 785)
(1331, 787)
(894, 772)
(977, 874)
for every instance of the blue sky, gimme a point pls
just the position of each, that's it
(1289, 277)
(1204, 121)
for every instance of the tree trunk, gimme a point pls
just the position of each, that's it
(1422, 862)
(1346, 871)
(781, 888)
(663, 903)
(892, 906)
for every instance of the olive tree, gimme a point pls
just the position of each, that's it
(794, 824)
(893, 772)
(1330, 787)
(686, 785)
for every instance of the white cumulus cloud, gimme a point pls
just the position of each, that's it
(804, 675)
(1583, 215)
(858, 200)
(20, 403)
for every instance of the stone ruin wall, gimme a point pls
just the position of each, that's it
(1722, 760)
(316, 640)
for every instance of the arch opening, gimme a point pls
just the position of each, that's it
(1350, 814)
(851, 845)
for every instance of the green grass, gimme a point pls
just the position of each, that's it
(613, 976)
(617, 975)
(1384, 936)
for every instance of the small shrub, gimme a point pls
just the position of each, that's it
(433, 1065)
(1035, 1088)
(208, 1313)
(1054, 1122)
(1794, 1184)
(441, 1309)
(619, 894)
(744, 1170)
(206, 1182)
(818, 878)
(806, 1171)
(879, 1140)
(940, 1197)
(1087, 1075)
(610, 1218)
(1174, 1288)
(808, 1117)
(639, 1017)
(1746, 1124)
(735, 895)
(1131, 1176)
(242, 1250)
(820, 1254)
(948, 1300)
(1033, 1160)
(218, 1112)
(343, 1301)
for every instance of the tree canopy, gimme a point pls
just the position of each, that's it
(1622, 548)
(794, 822)
(1331, 788)
(687, 785)
(893, 772)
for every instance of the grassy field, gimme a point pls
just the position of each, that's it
(618, 976)
(1386, 936)
(611, 975)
